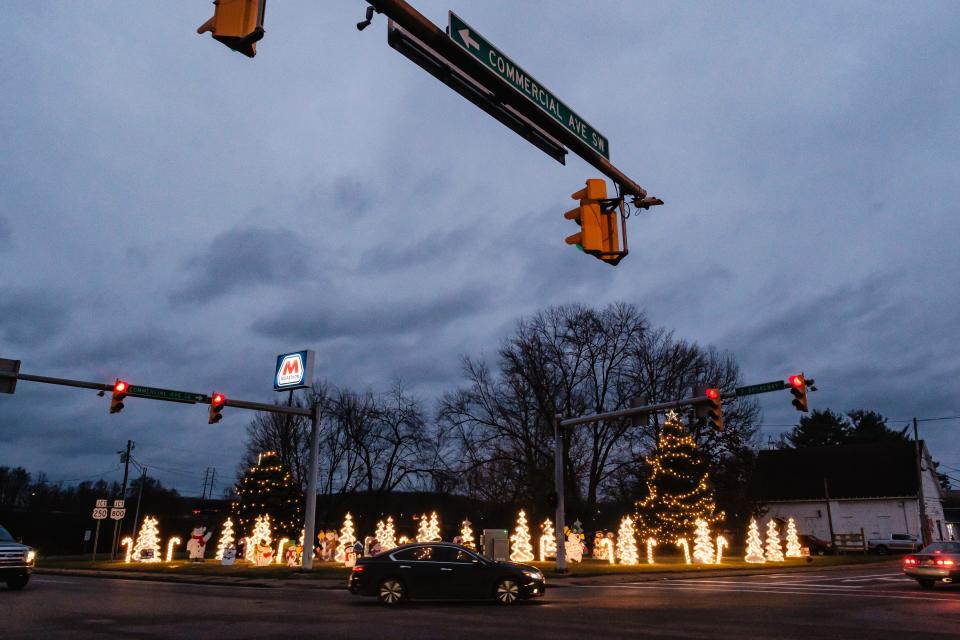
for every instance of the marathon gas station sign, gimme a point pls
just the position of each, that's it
(294, 371)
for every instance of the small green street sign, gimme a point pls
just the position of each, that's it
(775, 385)
(166, 394)
(481, 49)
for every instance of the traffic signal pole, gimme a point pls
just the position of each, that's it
(309, 520)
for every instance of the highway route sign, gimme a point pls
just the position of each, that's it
(99, 513)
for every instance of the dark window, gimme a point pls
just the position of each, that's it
(902, 536)
(452, 554)
(415, 554)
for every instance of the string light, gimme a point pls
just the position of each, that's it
(279, 557)
(548, 541)
(346, 540)
(389, 536)
(754, 548)
(626, 542)
(703, 551)
(774, 552)
(651, 543)
(226, 538)
(147, 546)
(721, 543)
(128, 543)
(466, 534)
(171, 543)
(682, 542)
(520, 548)
(260, 542)
(793, 541)
(606, 549)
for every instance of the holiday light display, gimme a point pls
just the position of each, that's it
(548, 541)
(128, 543)
(389, 540)
(774, 552)
(267, 487)
(402, 540)
(520, 548)
(721, 544)
(346, 539)
(651, 543)
(433, 528)
(703, 551)
(466, 534)
(754, 547)
(626, 542)
(171, 543)
(423, 529)
(147, 546)
(678, 491)
(793, 541)
(279, 557)
(604, 550)
(226, 538)
(378, 531)
(682, 542)
(248, 551)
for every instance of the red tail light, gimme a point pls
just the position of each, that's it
(944, 563)
(909, 561)
(358, 568)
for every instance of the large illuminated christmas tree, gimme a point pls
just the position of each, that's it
(268, 489)
(678, 489)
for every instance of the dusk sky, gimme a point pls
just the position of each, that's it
(176, 214)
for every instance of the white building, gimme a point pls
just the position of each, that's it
(843, 489)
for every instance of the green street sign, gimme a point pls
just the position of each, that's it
(775, 385)
(166, 394)
(481, 49)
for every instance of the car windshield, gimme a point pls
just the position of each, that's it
(942, 547)
(5, 536)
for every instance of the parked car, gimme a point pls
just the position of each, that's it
(816, 546)
(896, 542)
(937, 562)
(16, 561)
(443, 570)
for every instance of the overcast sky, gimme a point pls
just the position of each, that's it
(176, 214)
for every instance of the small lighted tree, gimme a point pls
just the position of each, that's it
(261, 534)
(433, 528)
(754, 545)
(466, 535)
(548, 541)
(389, 540)
(346, 540)
(147, 546)
(226, 538)
(627, 542)
(520, 548)
(423, 529)
(774, 550)
(793, 541)
(703, 551)
(651, 543)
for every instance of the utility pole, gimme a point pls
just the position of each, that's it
(136, 515)
(924, 529)
(558, 490)
(123, 495)
(309, 521)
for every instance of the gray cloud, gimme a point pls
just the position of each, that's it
(6, 232)
(243, 257)
(29, 317)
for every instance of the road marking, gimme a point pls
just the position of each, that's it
(46, 579)
(773, 584)
(849, 594)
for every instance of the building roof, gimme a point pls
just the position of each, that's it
(884, 470)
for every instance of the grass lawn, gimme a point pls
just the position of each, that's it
(587, 568)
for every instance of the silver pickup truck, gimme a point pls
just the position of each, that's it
(16, 561)
(896, 542)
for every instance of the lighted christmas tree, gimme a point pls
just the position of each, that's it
(433, 528)
(389, 540)
(226, 538)
(147, 546)
(466, 534)
(548, 541)
(754, 545)
(703, 551)
(793, 542)
(520, 548)
(346, 540)
(627, 542)
(261, 534)
(423, 529)
(774, 550)
(678, 491)
(267, 487)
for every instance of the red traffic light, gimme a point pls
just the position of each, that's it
(713, 394)
(217, 399)
(120, 386)
(796, 382)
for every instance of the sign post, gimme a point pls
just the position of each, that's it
(99, 514)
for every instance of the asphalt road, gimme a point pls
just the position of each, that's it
(862, 602)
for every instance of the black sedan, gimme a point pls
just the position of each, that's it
(442, 570)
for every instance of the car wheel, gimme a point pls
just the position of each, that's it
(391, 591)
(18, 583)
(507, 591)
(925, 584)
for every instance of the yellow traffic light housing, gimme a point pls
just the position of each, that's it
(237, 24)
(120, 388)
(597, 216)
(798, 389)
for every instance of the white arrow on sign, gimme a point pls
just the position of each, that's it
(467, 40)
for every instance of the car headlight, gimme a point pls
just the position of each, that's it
(31, 555)
(533, 574)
